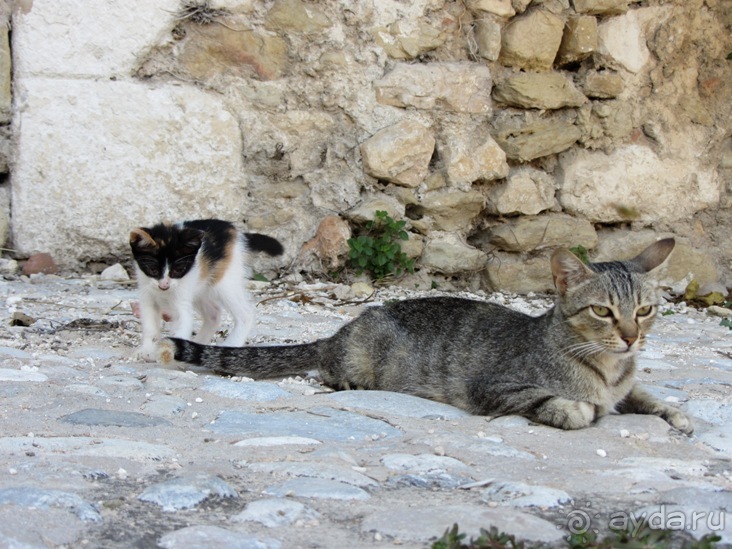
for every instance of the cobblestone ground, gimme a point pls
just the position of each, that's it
(97, 450)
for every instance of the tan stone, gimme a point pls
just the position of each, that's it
(579, 39)
(400, 153)
(600, 7)
(329, 247)
(455, 87)
(407, 41)
(452, 210)
(5, 76)
(531, 41)
(525, 234)
(549, 90)
(502, 8)
(526, 191)
(467, 161)
(366, 210)
(537, 139)
(518, 274)
(488, 38)
(448, 253)
(602, 84)
(296, 16)
(214, 49)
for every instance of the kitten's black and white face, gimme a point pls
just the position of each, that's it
(165, 253)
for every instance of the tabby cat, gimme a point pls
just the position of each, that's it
(194, 265)
(565, 368)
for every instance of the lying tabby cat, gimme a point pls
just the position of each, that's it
(565, 368)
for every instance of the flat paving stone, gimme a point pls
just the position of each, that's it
(113, 418)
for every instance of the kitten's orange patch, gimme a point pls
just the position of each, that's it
(141, 238)
(219, 270)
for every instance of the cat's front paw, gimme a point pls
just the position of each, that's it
(679, 420)
(568, 414)
(166, 351)
(145, 353)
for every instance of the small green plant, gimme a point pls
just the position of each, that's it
(488, 539)
(727, 323)
(581, 252)
(378, 251)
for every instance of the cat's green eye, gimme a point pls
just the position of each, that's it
(601, 311)
(644, 311)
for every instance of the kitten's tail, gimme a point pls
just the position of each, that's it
(262, 243)
(256, 362)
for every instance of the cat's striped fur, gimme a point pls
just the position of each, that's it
(565, 368)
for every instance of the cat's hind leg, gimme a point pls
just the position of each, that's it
(235, 299)
(211, 314)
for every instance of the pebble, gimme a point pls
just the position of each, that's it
(93, 437)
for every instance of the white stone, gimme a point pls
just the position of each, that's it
(467, 161)
(448, 253)
(108, 156)
(502, 8)
(527, 191)
(114, 272)
(90, 38)
(603, 186)
(621, 39)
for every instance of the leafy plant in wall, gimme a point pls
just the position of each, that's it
(378, 250)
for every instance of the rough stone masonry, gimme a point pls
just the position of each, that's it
(499, 129)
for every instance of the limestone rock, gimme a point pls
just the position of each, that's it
(551, 90)
(366, 210)
(526, 191)
(210, 50)
(467, 161)
(452, 210)
(531, 41)
(632, 182)
(502, 8)
(329, 245)
(404, 40)
(525, 234)
(514, 273)
(40, 263)
(621, 41)
(448, 253)
(600, 7)
(400, 153)
(296, 16)
(488, 38)
(455, 87)
(579, 39)
(537, 139)
(602, 84)
(687, 261)
(6, 97)
(186, 160)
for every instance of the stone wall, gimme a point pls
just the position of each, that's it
(500, 129)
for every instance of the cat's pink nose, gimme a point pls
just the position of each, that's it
(164, 284)
(629, 340)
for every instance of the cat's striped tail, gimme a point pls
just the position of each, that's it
(256, 362)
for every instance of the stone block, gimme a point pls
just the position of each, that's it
(404, 40)
(454, 87)
(600, 7)
(531, 41)
(328, 248)
(488, 38)
(6, 76)
(88, 38)
(400, 153)
(526, 234)
(515, 273)
(105, 157)
(633, 183)
(502, 8)
(602, 84)
(296, 16)
(452, 210)
(468, 159)
(579, 39)
(622, 42)
(548, 90)
(526, 191)
(538, 139)
(448, 253)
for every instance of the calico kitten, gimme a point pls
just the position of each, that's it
(199, 265)
(565, 368)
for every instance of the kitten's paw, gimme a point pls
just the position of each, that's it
(166, 351)
(569, 414)
(145, 353)
(679, 420)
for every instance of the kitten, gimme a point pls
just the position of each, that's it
(199, 265)
(565, 368)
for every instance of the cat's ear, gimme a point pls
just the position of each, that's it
(654, 255)
(568, 270)
(140, 238)
(191, 238)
